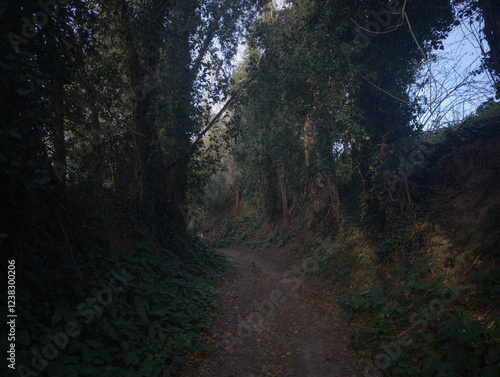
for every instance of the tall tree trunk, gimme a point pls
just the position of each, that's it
(234, 182)
(491, 14)
(138, 112)
(57, 128)
(280, 172)
(334, 198)
(95, 139)
(310, 186)
(143, 99)
(166, 220)
(308, 139)
(327, 159)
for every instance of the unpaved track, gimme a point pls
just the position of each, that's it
(275, 322)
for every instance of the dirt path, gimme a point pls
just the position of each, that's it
(275, 322)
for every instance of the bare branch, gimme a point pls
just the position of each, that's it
(231, 100)
(386, 92)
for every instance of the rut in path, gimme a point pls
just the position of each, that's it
(274, 322)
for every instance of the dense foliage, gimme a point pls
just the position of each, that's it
(328, 117)
(331, 107)
(104, 109)
(99, 100)
(329, 152)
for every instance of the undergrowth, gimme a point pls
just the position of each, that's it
(414, 322)
(124, 306)
(410, 318)
(425, 328)
(248, 231)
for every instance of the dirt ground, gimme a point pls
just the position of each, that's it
(276, 322)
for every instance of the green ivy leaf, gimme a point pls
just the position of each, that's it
(490, 371)
(367, 354)
(493, 355)
(142, 312)
(428, 337)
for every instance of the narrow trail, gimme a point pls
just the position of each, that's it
(275, 322)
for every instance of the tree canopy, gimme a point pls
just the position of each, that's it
(116, 114)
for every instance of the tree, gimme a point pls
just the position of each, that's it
(489, 11)
(339, 74)
(166, 43)
(102, 81)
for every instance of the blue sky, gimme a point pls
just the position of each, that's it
(456, 91)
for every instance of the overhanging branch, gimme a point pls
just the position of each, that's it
(230, 101)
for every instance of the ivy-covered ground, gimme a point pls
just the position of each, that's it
(101, 298)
